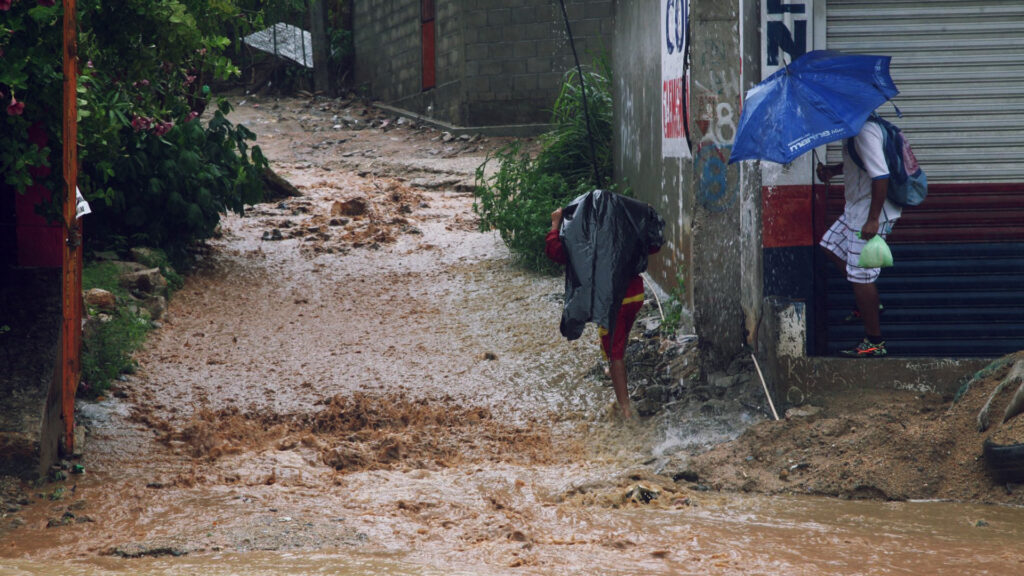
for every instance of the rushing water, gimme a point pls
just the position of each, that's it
(227, 456)
(727, 536)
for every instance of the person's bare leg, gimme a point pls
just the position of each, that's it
(839, 263)
(618, 374)
(866, 296)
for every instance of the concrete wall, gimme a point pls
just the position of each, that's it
(665, 183)
(715, 100)
(498, 62)
(712, 210)
(386, 34)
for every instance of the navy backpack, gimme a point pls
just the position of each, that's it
(908, 184)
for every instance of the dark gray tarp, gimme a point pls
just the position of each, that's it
(606, 237)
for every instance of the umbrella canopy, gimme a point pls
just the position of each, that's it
(823, 96)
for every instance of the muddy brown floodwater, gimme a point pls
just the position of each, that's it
(356, 382)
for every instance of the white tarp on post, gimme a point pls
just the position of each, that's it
(286, 41)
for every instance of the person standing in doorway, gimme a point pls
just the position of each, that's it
(867, 212)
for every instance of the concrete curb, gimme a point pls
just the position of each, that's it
(511, 130)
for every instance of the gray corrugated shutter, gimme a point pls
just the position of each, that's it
(959, 65)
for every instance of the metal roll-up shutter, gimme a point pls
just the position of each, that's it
(959, 66)
(958, 285)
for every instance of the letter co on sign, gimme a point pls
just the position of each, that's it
(675, 79)
(787, 32)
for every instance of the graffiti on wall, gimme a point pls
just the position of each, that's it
(675, 79)
(716, 117)
(712, 161)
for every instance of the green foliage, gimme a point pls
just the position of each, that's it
(169, 190)
(566, 149)
(108, 345)
(30, 90)
(107, 352)
(517, 200)
(153, 173)
(673, 309)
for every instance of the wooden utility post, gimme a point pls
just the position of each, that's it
(321, 47)
(71, 286)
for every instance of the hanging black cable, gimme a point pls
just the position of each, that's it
(684, 92)
(583, 93)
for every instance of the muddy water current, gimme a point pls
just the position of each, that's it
(408, 407)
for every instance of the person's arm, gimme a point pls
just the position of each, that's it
(552, 243)
(879, 190)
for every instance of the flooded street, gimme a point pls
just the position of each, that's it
(377, 390)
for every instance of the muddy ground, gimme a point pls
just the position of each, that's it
(358, 368)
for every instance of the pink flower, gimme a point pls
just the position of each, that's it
(191, 116)
(15, 108)
(189, 79)
(162, 128)
(140, 123)
(5, 5)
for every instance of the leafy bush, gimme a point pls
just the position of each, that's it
(566, 149)
(152, 172)
(169, 190)
(518, 199)
(517, 202)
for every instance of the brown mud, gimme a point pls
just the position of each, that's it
(888, 445)
(376, 389)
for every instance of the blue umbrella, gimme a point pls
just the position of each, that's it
(823, 96)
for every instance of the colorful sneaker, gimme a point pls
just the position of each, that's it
(854, 315)
(866, 349)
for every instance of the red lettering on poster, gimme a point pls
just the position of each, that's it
(673, 118)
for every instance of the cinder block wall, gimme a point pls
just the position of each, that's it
(517, 52)
(387, 39)
(498, 61)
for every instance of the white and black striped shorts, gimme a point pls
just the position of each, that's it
(845, 242)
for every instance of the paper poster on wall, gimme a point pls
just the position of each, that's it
(675, 78)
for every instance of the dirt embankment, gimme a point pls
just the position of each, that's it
(894, 445)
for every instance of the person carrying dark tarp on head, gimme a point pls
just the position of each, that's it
(603, 239)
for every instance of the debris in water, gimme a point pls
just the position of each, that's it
(641, 494)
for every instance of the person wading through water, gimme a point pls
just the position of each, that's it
(614, 235)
